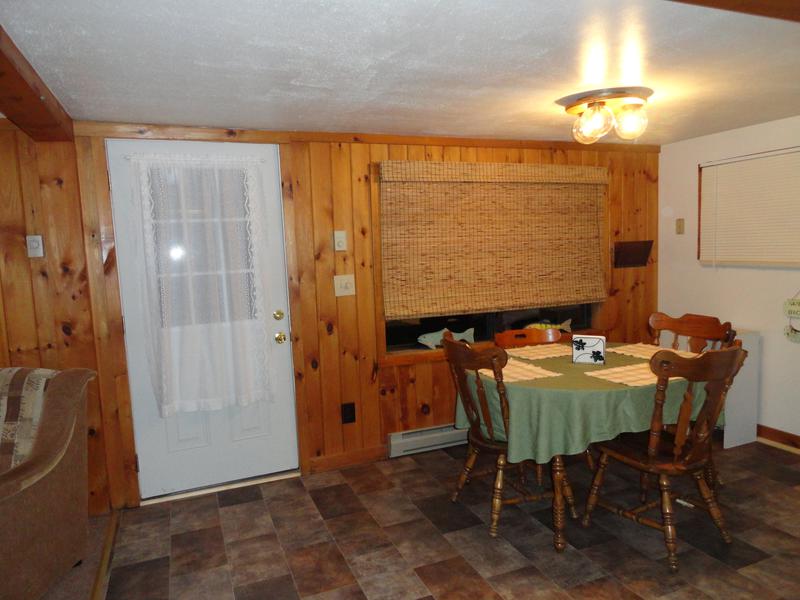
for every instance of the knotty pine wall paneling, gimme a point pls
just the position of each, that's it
(98, 236)
(48, 312)
(64, 310)
(401, 394)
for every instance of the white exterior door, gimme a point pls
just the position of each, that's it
(195, 449)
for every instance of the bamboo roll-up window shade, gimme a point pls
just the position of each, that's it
(460, 238)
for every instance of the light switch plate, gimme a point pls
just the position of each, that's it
(340, 240)
(344, 285)
(35, 246)
(680, 226)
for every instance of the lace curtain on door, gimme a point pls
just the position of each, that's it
(202, 282)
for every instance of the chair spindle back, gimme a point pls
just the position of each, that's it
(717, 369)
(700, 331)
(464, 362)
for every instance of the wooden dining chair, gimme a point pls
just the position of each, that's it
(485, 435)
(684, 452)
(701, 332)
(515, 338)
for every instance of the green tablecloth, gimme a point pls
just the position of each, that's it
(563, 415)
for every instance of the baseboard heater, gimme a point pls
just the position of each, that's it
(422, 440)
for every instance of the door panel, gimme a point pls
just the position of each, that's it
(196, 449)
(187, 431)
(250, 422)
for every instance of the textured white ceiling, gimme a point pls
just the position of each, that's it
(484, 68)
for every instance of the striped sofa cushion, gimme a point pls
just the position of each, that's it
(21, 402)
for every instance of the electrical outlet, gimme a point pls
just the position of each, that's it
(348, 413)
(340, 240)
(344, 285)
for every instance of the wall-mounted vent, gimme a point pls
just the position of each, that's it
(422, 440)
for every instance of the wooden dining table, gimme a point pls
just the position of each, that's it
(561, 407)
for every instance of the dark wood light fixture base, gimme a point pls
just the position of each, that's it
(788, 10)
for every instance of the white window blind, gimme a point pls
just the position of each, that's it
(750, 210)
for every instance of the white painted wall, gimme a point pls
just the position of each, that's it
(752, 297)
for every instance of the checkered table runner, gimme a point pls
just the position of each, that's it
(541, 351)
(516, 370)
(646, 351)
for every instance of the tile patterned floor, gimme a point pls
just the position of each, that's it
(388, 531)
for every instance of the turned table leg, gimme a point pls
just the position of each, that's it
(559, 539)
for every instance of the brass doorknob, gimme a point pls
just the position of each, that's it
(277, 315)
(280, 337)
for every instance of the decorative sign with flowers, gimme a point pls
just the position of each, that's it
(589, 349)
(791, 309)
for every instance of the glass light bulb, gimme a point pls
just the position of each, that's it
(631, 121)
(579, 136)
(596, 121)
(177, 252)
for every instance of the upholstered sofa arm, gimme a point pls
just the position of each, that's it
(63, 399)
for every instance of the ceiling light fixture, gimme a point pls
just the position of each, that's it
(600, 111)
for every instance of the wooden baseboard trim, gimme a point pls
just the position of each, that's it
(778, 445)
(101, 578)
(781, 437)
(348, 459)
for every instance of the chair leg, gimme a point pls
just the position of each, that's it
(644, 484)
(712, 476)
(539, 474)
(497, 495)
(594, 491)
(569, 497)
(668, 517)
(713, 507)
(557, 472)
(469, 463)
(589, 458)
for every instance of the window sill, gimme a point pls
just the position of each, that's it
(413, 357)
(410, 357)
